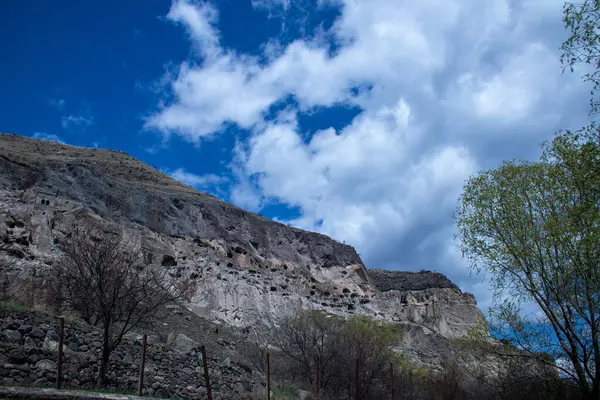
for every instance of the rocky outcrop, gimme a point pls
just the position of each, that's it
(429, 299)
(405, 280)
(250, 270)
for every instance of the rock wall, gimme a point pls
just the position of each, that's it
(243, 287)
(29, 351)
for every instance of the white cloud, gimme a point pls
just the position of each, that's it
(270, 4)
(76, 120)
(511, 92)
(210, 97)
(47, 136)
(198, 19)
(446, 87)
(394, 47)
(229, 87)
(197, 181)
(361, 180)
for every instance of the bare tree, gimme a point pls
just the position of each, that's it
(103, 277)
(308, 341)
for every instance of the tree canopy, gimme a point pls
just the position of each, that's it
(534, 228)
(582, 20)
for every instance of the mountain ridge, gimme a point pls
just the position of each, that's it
(171, 183)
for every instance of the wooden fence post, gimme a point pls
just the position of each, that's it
(61, 341)
(206, 377)
(392, 379)
(356, 383)
(143, 365)
(317, 384)
(268, 376)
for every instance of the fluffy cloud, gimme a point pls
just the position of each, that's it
(444, 88)
(199, 20)
(363, 184)
(222, 91)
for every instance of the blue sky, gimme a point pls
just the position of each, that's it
(358, 119)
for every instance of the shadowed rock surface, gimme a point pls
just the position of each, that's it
(404, 280)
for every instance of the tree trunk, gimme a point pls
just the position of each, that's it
(105, 356)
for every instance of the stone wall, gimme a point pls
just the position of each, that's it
(29, 348)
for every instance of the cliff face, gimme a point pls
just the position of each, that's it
(251, 270)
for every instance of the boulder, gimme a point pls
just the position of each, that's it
(37, 333)
(17, 355)
(183, 344)
(11, 335)
(128, 359)
(30, 343)
(32, 359)
(50, 344)
(46, 365)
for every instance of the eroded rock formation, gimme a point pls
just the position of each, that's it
(251, 270)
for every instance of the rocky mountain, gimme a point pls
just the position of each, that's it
(250, 270)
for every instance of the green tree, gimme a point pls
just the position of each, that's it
(534, 229)
(582, 20)
(314, 339)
